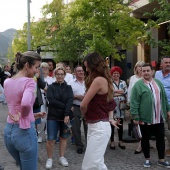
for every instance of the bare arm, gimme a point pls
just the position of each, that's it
(16, 118)
(118, 92)
(79, 97)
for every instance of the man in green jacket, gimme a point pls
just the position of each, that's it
(150, 108)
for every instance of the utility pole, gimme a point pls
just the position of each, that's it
(28, 25)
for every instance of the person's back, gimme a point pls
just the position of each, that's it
(19, 88)
(97, 109)
(99, 97)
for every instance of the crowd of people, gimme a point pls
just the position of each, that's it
(53, 101)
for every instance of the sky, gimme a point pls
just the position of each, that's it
(13, 13)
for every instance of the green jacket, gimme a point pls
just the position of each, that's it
(141, 102)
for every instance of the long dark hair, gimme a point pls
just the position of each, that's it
(97, 67)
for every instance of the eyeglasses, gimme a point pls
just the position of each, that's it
(44, 67)
(60, 74)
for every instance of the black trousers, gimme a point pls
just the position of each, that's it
(158, 131)
(120, 131)
(77, 127)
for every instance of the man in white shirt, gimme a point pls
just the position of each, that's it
(78, 90)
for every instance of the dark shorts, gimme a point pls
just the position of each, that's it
(54, 126)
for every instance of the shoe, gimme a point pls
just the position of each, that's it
(147, 164)
(138, 152)
(4, 103)
(121, 146)
(167, 153)
(39, 139)
(112, 147)
(49, 163)
(165, 164)
(72, 140)
(63, 161)
(79, 150)
(57, 140)
(1, 168)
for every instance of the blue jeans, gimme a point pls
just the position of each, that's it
(22, 145)
(54, 126)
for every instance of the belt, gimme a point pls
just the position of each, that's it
(76, 105)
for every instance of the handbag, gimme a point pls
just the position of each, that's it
(137, 132)
(122, 105)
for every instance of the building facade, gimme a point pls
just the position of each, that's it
(143, 51)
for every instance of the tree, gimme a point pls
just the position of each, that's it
(106, 25)
(38, 33)
(85, 25)
(160, 14)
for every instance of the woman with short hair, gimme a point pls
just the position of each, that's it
(60, 99)
(120, 92)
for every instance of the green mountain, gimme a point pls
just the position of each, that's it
(6, 39)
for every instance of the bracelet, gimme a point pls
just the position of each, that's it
(110, 118)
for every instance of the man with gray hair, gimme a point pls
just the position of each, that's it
(164, 76)
(78, 87)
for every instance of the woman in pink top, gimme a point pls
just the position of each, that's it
(19, 133)
(97, 107)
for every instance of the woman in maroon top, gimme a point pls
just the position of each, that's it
(97, 107)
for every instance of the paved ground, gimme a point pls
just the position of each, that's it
(115, 159)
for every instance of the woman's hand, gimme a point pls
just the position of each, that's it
(40, 115)
(72, 109)
(136, 122)
(115, 122)
(16, 117)
(66, 119)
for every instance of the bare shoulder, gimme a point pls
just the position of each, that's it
(100, 83)
(100, 79)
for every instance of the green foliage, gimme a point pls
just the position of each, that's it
(73, 30)
(100, 26)
(159, 15)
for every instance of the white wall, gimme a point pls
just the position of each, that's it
(139, 4)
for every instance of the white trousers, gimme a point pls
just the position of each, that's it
(98, 136)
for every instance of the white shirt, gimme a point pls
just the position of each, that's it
(68, 78)
(49, 80)
(133, 80)
(78, 89)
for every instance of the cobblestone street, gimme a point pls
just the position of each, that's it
(115, 159)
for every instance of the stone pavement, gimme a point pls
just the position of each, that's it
(115, 159)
